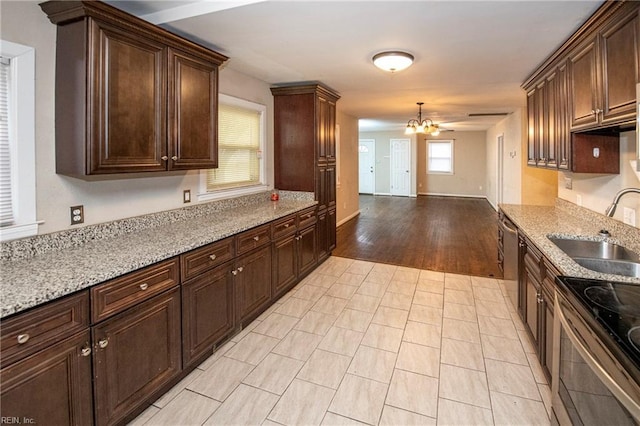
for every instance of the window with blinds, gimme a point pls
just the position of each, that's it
(6, 204)
(240, 138)
(440, 157)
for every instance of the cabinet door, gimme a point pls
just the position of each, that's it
(583, 86)
(135, 354)
(562, 131)
(285, 264)
(331, 228)
(207, 311)
(253, 283)
(322, 192)
(193, 112)
(619, 69)
(127, 102)
(541, 137)
(330, 187)
(550, 137)
(532, 137)
(533, 293)
(307, 240)
(323, 235)
(547, 339)
(51, 387)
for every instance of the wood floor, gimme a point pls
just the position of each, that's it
(456, 235)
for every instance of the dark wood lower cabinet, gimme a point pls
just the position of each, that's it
(51, 387)
(135, 354)
(253, 283)
(285, 264)
(307, 258)
(207, 312)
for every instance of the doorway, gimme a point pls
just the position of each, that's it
(400, 167)
(366, 166)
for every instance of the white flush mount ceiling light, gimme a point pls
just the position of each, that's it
(421, 125)
(393, 61)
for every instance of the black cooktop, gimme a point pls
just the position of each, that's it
(613, 305)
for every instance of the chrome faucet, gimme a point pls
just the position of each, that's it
(612, 208)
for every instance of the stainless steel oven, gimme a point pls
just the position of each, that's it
(510, 261)
(595, 377)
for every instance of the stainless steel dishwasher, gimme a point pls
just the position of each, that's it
(510, 252)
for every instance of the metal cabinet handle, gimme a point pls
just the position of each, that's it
(286, 225)
(85, 351)
(103, 343)
(174, 158)
(144, 286)
(256, 238)
(240, 268)
(164, 158)
(22, 338)
(212, 256)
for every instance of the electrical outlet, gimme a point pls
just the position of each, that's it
(629, 216)
(77, 214)
(186, 196)
(568, 183)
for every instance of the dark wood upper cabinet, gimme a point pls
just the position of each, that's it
(130, 96)
(588, 84)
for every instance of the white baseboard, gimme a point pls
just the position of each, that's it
(348, 218)
(453, 195)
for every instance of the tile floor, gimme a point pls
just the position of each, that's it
(366, 343)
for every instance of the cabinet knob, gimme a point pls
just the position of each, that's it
(23, 338)
(85, 351)
(286, 225)
(103, 343)
(174, 158)
(240, 268)
(164, 158)
(212, 256)
(234, 272)
(144, 286)
(256, 238)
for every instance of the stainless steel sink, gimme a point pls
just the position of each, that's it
(608, 266)
(601, 256)
(594, 249)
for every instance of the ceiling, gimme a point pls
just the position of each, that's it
(470, 56)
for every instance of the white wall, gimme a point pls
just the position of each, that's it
(511, 128)
(469, 166)
(383, 159)
(597, 190)
(24, 22)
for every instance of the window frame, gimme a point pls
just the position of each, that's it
(23, 158)
(440, 141)
(218, 194)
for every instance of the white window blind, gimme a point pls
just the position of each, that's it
(440, 157)
(239, 148)
(6, 204)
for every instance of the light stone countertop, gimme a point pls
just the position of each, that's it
(571, 221)
(27, 281)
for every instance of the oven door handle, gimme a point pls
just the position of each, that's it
(595, 365)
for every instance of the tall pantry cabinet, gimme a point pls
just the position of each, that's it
(305, 150)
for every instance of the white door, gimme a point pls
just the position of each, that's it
(366, 163)
(400, 169)
(500, 170)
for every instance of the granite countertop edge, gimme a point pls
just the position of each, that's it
(29, 282)
(570, 221)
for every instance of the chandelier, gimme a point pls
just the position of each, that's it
(420, 125)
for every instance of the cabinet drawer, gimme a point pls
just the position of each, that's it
(306, 218)
(121, 293)
(205, 258)
(253, 238)
(29, 332)
(284, 227)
